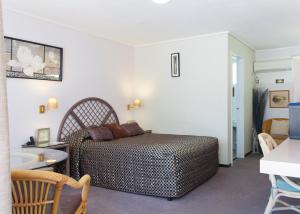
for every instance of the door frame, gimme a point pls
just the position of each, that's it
(241, 105)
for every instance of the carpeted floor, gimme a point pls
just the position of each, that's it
(240, 189)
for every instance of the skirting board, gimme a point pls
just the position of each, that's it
(229, 165)
(225, 165)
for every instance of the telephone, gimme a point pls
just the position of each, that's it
(31, 142)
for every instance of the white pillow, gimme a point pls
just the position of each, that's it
(280, 127)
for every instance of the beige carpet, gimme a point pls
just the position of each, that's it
(240, 189)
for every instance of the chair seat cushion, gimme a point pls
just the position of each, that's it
(69, 200)
(281, 184)
(278, 136)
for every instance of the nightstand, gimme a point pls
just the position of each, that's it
(62, 168)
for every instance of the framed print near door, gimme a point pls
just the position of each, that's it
(175, 65)
(279, 99)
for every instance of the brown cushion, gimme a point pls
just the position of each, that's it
(100, 133)
(117, 130)
(133, 129)
(69, 200)
(279, 127)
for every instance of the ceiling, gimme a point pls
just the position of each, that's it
(260, 23)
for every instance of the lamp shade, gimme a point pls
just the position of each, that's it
(52, 103)
(137, 103)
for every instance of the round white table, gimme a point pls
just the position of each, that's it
(27, 158)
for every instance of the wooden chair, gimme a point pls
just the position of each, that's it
(266, 128)
(39, 192)
(281, 186)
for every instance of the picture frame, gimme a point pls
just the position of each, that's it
(43, 137)
(32, 60)
(279, 98)
(175, 64)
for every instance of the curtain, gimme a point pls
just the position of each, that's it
(5, 191)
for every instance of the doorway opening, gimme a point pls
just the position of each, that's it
(234, 105)
(237, 108)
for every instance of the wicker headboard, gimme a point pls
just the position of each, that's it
(87, 112)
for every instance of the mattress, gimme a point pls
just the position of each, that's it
(151, 164)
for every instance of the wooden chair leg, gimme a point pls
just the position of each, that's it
(271, 203)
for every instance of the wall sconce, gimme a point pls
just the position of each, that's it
(42, 109)
(52, 104)
(279, 81)
(137, 103)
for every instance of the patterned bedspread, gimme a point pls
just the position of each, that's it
(151, 164)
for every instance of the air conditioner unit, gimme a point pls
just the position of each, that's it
(273, 65)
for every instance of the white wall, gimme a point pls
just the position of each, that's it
(277, 53)
(246, 55)
(92, 67)
(195, 103)
(267, 79)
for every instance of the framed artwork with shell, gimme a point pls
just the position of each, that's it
(279, 99)
(32, 60)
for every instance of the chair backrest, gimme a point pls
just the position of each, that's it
(267, 143)
(35, 191)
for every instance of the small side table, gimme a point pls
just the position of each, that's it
(58, 146)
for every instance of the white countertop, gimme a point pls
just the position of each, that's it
(284, 160)
(27, 158)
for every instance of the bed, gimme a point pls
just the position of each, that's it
(160, 165)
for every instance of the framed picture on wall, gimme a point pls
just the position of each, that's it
(279, 99)
(32, 60)
(175, 65)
